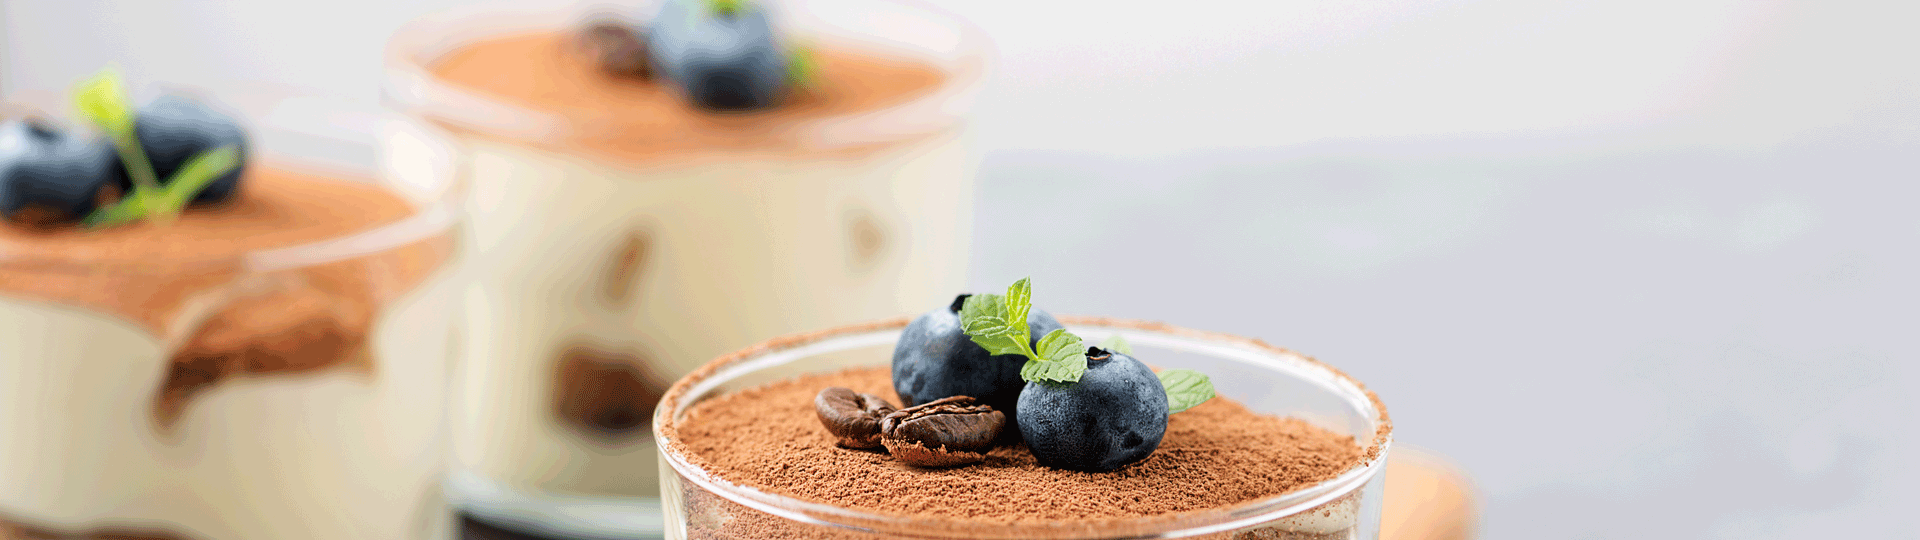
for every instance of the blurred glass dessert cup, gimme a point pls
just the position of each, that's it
(623, 235)
(272, 366)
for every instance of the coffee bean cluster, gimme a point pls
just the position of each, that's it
(947, 432)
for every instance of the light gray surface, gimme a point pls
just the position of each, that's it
(1615, 342)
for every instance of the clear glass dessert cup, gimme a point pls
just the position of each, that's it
(601, 274)
(294, 392)
(1267, 379)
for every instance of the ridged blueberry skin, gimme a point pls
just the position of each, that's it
(935, 359)
(723, 62)
(1114, 416)
(174, 129)
(44, 167)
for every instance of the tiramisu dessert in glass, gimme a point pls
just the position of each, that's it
(204, 336)
(987, 418)
(655, 184)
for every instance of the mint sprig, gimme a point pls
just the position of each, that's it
(193, 177)
(984, 318)
(998, 323)
(103, 100)
(803, 66)
(1185, 388)
(727, 8)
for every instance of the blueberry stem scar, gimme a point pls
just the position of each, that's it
(958, 302)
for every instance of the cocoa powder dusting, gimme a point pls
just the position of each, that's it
(624, 119)
(1214, 455)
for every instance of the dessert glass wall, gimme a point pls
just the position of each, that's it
(1266, 379)
(169, 386)
(603, 272)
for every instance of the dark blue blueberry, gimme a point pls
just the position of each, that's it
(40, 166)
(723, 61)
(935, 359)
(1115, 415)
(174, 129)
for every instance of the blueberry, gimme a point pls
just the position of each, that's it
(935, 359)
(723, 60)
(1115, 415)
(174, 129)
(41, 166)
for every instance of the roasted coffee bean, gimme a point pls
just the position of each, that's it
(945, 432)
(853, 417)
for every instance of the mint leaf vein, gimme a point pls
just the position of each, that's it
(1019, 301)
(1062, 346)
(1062, 359)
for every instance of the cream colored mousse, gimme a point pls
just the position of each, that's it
(1338, 519)
(646, 237)
(269, 368)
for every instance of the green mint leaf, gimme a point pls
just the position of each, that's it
(1063, 359)
(727, 8)
(1117, 344)
(103, 99)
(1062, 346)
(193, 177)
(803, 67)
(1053, 372)
(197, 174)
(1019, 301)
(1185, 388)
(984, 318)
(128, 210)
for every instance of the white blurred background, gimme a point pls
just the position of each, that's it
(1647, 269)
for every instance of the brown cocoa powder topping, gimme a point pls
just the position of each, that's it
(148, 273)
(629, 119)
(1214, 455)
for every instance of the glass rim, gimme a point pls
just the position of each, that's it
(703, 380)
(410, 86)
(433, 214)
